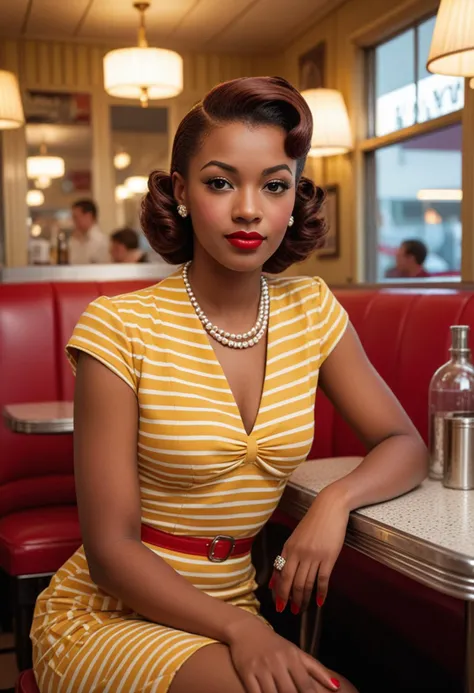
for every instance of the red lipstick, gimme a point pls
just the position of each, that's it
(244, 240)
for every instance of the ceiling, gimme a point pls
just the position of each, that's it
(231, 26)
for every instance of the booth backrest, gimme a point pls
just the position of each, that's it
(405, 334)
(36, 321)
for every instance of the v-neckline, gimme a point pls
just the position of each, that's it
(206, 339)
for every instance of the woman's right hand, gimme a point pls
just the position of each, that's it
(267, 663)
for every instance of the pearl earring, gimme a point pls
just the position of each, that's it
(182, 211)
(291, 221)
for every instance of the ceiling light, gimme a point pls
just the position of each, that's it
(34, 198)
(44, 165)
(452, 45)
(122, 193)
(42, 182)
(143, 73)
(11, 108)
(122, 160)
(439, 194)
(137, 184)
(331, 128)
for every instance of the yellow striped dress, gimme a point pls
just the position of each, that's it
(200, 473)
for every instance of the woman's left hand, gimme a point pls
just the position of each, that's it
(311, 553)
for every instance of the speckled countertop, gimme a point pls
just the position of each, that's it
(431, 513)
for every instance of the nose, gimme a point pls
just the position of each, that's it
(247, 207)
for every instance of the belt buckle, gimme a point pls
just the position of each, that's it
(212, 547)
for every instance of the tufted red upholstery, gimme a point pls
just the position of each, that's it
(405, 334)
(39, 528)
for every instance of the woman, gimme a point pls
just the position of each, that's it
(194, 403)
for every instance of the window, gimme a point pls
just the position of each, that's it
(414, 186)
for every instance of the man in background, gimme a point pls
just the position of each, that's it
(87, 245)
(409, 261)
(125, 246)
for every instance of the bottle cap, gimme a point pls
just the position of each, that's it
(460, 337)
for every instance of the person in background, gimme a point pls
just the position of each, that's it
(409, 261)
(87, 244)
(125, 246)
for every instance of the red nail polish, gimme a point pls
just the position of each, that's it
(295, 609)
(335, 683)
(271, 584)
(320, 602)
(280, 605)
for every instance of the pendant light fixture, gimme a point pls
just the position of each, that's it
(452, 45)
(122, 160)
(331, 127)
(44, 166)
(11, 108)
(143, 73)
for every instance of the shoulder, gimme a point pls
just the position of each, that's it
(298, 291)
(310, 297)
(142, 307)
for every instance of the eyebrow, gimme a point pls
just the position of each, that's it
(232, 169)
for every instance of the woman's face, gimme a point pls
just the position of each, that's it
(240, 194)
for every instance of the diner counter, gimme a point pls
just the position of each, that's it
(427, 534)
(85, 273)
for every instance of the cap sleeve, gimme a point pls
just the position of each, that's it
(331, 319)
(101, 333)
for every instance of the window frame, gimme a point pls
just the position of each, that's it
(368, 146)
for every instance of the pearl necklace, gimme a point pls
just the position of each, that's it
(228, 339)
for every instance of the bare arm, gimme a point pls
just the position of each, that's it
(105, 458)
(398, 459)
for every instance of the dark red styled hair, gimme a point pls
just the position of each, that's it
(256, 101)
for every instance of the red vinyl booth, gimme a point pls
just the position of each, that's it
(39, 527)
(406, 336)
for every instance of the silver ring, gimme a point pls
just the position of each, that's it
(279, 563)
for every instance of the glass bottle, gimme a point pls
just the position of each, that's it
(451, 392)
(63, 249)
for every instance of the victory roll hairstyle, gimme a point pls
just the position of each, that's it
(255, 101)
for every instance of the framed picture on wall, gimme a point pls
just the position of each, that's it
(312, 68)
(330, 212)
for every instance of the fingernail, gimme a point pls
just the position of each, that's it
(280, 605)
(320, 602)
(335, 683)
(295, 609)
(271, 584)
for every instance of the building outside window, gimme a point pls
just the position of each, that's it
(413, 156)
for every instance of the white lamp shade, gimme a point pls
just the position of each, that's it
(452, 45)
(122, 160)
(11, 108)
(42, 182)
(122, 193)
(128, 70)
(331, 128)
(137, 184)
(34, 198)
(49, 166)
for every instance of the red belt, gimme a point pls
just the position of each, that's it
(217, 550)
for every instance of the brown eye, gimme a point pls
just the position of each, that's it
(218, 183)
(277, 186)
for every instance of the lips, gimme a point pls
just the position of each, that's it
(246, 236)
(244, 240)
